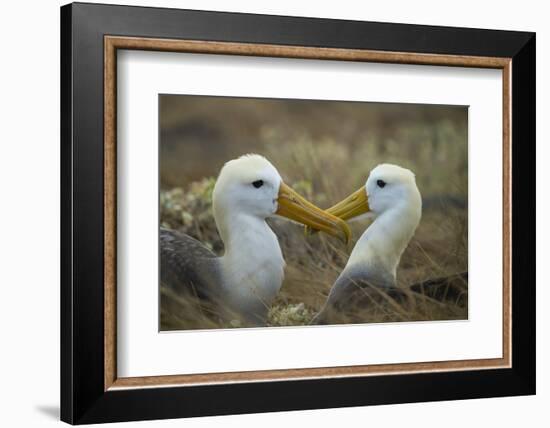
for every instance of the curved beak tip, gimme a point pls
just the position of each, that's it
(346, 237)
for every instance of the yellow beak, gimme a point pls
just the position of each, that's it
(295, 207)
(354, 205)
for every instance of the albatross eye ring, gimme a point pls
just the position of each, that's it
(380, 183)
(258, 183)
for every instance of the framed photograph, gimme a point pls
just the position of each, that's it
(265, 213)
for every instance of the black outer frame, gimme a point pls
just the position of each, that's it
(83, 399)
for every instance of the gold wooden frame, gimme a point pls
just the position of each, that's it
(113, 43)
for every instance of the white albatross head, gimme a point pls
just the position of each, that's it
(391, 187)
(388, 188)
(249, 184)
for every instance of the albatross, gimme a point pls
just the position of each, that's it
(390, 197)
(243, 281)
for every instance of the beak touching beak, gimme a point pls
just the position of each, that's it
(354, 205)
(293, 206)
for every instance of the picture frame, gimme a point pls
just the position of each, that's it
(91, 35)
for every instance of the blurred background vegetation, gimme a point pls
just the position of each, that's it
(324, 150)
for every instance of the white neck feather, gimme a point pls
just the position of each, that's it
(253, 264)
(379, 249)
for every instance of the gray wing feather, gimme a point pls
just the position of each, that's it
(346, 292)
(452, 288)
(353, 282)
(186, 265)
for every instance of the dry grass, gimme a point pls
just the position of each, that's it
(325, 161)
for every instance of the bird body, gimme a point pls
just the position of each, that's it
(391, 197)
(241, 284)
(243, 281)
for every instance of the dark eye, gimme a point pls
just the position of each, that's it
(258, 183)
(381, 183)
